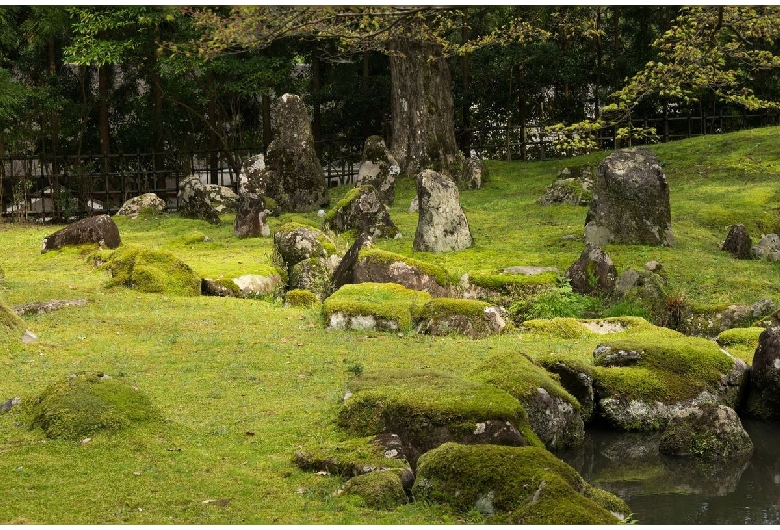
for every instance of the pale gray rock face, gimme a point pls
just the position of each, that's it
(147, 201)
(768, 247)
(442, 225)
(195, 201)
(554, 420)
(379, 169)
(630, 202)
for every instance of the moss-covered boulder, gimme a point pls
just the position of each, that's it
(11, 324)
(151, 271)
(301, 298)
(379, 168)
(380, 490)
(642, 379)
(315, 275)
(144, 204)
(506, 288)
(512, 485)
(572, 186)
(379, 266)
(353, 457)
(361, 210)
(553, 413)
(294, 242)
(473, 318)
(707, 431)
(593, 273)
(380, 306)
(85, 404)
(426, 409)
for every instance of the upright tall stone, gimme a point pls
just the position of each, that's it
(378, 168)
(291, 162)
(630, 202)
(442, 225)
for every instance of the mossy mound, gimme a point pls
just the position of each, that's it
(526, 485)
(151, 271)
(301, 298)
(87, 403)
(11, 324)
(427, 408)
(380, 490)
(192, 237)
(350, 458)
(740, 342)
(388, 305)
(374, 265)
(560, 327)
(474, 318)
(553, 413)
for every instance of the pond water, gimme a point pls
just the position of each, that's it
(669, 490)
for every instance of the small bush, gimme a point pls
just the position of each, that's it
(559, 302)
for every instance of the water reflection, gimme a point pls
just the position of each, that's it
(670, 490)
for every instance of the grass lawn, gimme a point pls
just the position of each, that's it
(240, 385)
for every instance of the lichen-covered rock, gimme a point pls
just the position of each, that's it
(472, 174)
(630, 202)
(553, 413)
(100, 229)
(378, 266)
(473, 318)
(221, 198)
(315, 275)
(345, 272)
(511, 485)
(709, 432)
(592, 273)
(768, 248)
(293, 175)
(194, 201)
(368, 305)
(355, 456)
(426, 409)
(710, 323)
(151, 271)
(763, 400)
(362, 210)
(572, 186)
(738, 242)
(442, 225)
(379, 169)
(251, 216)
(643, 381)
(88, 403)
(295, 243)
(379, 490)
(148, 202)
(259, 286)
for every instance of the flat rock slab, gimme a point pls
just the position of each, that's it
(39, 308)
(529, 270)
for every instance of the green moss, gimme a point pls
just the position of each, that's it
(505, 282)
(385, 300)
(86, 404)
(151, 271)
(190, 238)
(301, 298)
(379, 490)
(510, 485)
(740, 342)
(519, 376)
(229, 284)
(350, 196)
(441, 276)
(270, 204)
(563, 327)
(10, 322)
(420, 400)
(346, 459)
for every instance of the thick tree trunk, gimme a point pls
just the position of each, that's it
(265, 100)
(159, 140)
(213, 138)
(104, 79)
(422, 108)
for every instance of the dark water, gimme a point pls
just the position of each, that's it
(668, 490)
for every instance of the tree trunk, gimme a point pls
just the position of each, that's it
(159, 141)
(422, 109)
(55, 115)
(213, 138)
(365, 128)
(265, 101)
(105, 126)
(466, 104)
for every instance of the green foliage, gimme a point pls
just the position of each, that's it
(507, 282)
(88, 403)
(558, 302)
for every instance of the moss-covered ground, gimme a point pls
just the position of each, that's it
(241, 385)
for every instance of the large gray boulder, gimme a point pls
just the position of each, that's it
(148, 202)
(738, 242)
(768, 248)
(763, 400)
(592, 273)
(362, 210)
(379, 169)
(707, 431)
(630, 202)
(195, 201)
(292, 175)
(100, 229)
(442, 225)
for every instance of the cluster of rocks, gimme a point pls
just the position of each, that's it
(740, 245)
(572, 186)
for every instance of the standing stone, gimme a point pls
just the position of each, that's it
(767, 248)
(378, 168)
(194, 201)
(247, 222)
(149, 202)
(345, 272)
(293, 175)
(763, 401)
(100, 229)
(442, 225)
(363, 211)
(738, 242)
(593, 272)
(630, 202)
